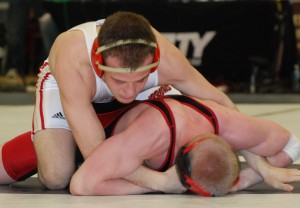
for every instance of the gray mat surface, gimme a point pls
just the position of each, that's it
(32, 185)
(20, 98)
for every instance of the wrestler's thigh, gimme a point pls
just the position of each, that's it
(55, 149)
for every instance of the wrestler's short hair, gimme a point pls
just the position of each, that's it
(208, 166)
(127, 26)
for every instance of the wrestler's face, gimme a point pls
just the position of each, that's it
(125, 86)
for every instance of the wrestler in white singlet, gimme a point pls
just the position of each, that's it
(48, 111)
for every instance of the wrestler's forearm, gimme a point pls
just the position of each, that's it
(146, 177)
(167, 182)
(258, 163)
(255, 162)
(249, 176)
(121, 187)
(106, 188)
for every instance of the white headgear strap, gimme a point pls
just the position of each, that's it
(126, 69)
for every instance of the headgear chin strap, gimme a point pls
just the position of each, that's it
(183, 168)
(97, 59)
(194, 187)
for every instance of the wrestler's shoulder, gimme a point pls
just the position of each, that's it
(69, 44)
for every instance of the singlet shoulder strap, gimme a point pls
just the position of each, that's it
(201, 108)
(165, 110)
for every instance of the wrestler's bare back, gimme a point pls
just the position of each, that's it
(240, 131)
(184, 119)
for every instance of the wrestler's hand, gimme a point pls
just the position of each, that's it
(280, 177)
(275, 177)
(172, 182)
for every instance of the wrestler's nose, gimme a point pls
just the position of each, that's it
(130, 92)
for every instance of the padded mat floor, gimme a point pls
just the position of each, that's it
(32, 186)
(16, 119)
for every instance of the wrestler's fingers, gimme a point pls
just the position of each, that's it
(293, 176)
(283, 186)
(294, 171)
(290, 175)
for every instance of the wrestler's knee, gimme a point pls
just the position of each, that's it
(55, 178)
(55, 150)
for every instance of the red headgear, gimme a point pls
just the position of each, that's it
(97, 59)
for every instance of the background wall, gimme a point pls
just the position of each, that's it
(227, 41)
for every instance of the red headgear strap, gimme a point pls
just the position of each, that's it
(192, 146)
(194, 187)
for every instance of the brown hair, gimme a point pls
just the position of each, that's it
(123, 26)
(214, 166)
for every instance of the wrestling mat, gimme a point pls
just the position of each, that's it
(32, 186)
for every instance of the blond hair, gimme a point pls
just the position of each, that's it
(214, 166)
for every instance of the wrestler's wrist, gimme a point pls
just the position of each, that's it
(264, 168)
(292, 148)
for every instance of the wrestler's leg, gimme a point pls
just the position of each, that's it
(18, 159)
(4, 177)
(53, 141)
(55, 149)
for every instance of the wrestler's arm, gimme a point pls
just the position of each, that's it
(73, 73)
(175, 69)
(166, 182)
(257, 139)
(103, 172)
(257, 135)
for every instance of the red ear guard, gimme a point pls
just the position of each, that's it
(155, 58)
(98, 62)
(96, 58)
(183, 168)
(184, 172)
